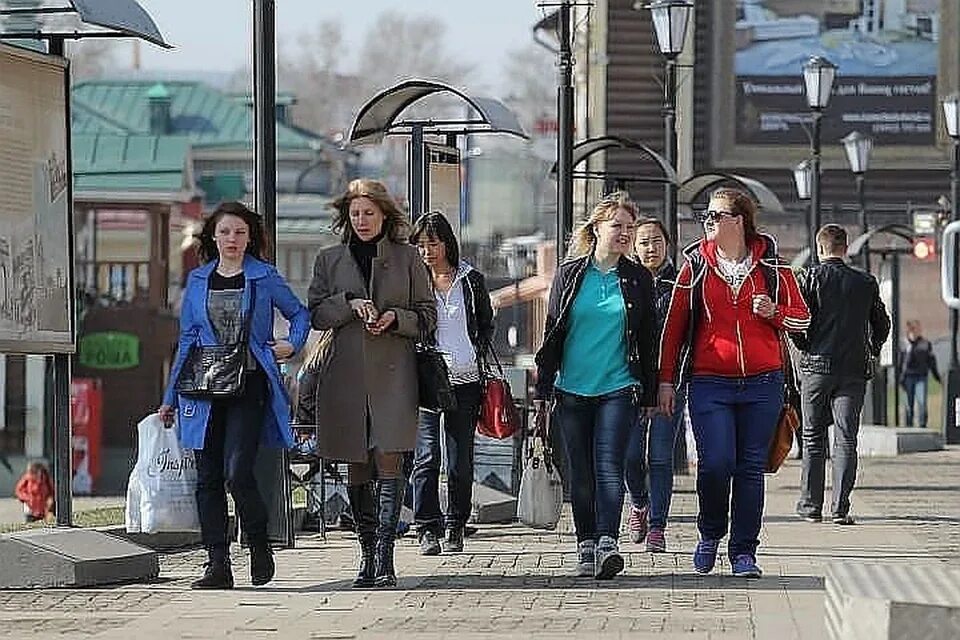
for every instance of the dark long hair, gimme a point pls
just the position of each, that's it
(258, 238)
(434, 225)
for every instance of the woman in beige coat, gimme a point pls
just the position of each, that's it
(373, 291)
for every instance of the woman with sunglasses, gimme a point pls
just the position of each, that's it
(732, 301)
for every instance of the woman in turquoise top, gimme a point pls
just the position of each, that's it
(597, 363)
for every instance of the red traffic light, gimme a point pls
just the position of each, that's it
(924, 249)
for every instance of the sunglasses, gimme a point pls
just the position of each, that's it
(713, 216)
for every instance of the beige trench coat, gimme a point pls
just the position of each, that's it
(362, 370)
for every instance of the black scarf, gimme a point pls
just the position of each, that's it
(363, 252)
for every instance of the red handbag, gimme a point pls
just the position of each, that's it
(499, 417)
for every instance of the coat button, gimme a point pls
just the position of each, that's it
(629, 305)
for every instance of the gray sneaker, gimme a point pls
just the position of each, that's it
(585, 558)
(609, 562)
(429, 544)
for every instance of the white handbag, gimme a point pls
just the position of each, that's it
(541, 490)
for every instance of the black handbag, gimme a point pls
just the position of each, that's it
(433, 378)
(212, 372)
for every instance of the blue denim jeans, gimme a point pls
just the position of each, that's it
(654, 457)
(459, 426)
(596, 431)
(734, 420)
(916, 388)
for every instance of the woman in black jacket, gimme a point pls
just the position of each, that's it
(597, 361)
(464, 329)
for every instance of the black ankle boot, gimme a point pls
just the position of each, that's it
(262, 566)
(364, 510)
(216, 575)
(391, 500)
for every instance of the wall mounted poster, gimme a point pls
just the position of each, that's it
(887, 52)
(35, 305)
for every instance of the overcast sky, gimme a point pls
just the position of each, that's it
(214, 35)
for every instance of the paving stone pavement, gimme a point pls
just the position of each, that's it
(516, 583)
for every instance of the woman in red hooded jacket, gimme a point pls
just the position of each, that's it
(732, 301)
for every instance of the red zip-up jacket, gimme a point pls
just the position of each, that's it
(731, 341)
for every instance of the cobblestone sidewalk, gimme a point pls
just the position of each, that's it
(515, 583)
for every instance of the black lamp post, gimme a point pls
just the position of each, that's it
(803, 180)
(951, 117)
(858, 148)
(670, 19)
(818, 76)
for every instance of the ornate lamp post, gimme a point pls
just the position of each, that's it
(803, 179)
(670, 20)
(818, 76)
(951, 117)
(858, 148)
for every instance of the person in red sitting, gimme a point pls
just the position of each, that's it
(732, 301)
(35, 490)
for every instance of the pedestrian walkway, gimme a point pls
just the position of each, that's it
(515, 583)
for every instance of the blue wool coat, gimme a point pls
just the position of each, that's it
(195, 327)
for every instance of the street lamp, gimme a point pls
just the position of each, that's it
(951, 117)
(858, 148)
(670, 20)
(803, 180)
(818, 76)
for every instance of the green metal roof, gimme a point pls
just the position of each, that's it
(110, 162)
(206, 116)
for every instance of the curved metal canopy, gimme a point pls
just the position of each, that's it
(586, 148)
(121, 19)
(900, 231)
(693, 187)
(377, 118)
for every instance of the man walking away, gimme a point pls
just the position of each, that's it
(848, 325)
(918, 364)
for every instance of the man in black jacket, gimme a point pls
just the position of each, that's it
(848, 325)
(919, 364)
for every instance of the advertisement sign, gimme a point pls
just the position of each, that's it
(109, 350)
(86, 415)
(35, 305)
(887, 53)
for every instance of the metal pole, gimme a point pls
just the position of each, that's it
(60, 403)
(951, 430)
(265, 117)
(670, 153)
(565, 134)
(815, 187)
(416, 171)
(864, 224)
(895, 332)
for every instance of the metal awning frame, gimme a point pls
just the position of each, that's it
(693, 187)
(372, 124)
(586, 148)
(120, 18)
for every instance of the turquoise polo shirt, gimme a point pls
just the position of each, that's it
(595, 350)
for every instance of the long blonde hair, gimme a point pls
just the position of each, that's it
(584, 239)
(395, 225)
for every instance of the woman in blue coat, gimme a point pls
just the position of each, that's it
(226, 433)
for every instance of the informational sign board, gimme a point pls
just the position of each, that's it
(443, 167)
(36, 308)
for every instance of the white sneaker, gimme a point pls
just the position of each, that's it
(608, 561)
(586, 552)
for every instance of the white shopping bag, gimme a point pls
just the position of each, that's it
(167, 479)
(541, 491)
(132, 514)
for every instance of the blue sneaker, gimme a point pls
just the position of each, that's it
(745, 566)
(705, 555)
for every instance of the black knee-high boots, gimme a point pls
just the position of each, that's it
(363, 506)
(391, 500)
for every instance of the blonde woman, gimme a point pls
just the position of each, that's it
(373, 293)
(597, 364)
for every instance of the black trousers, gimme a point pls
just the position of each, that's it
(226, 463)
(837, 400)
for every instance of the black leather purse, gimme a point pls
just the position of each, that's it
(433, 377)
(212, 372)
